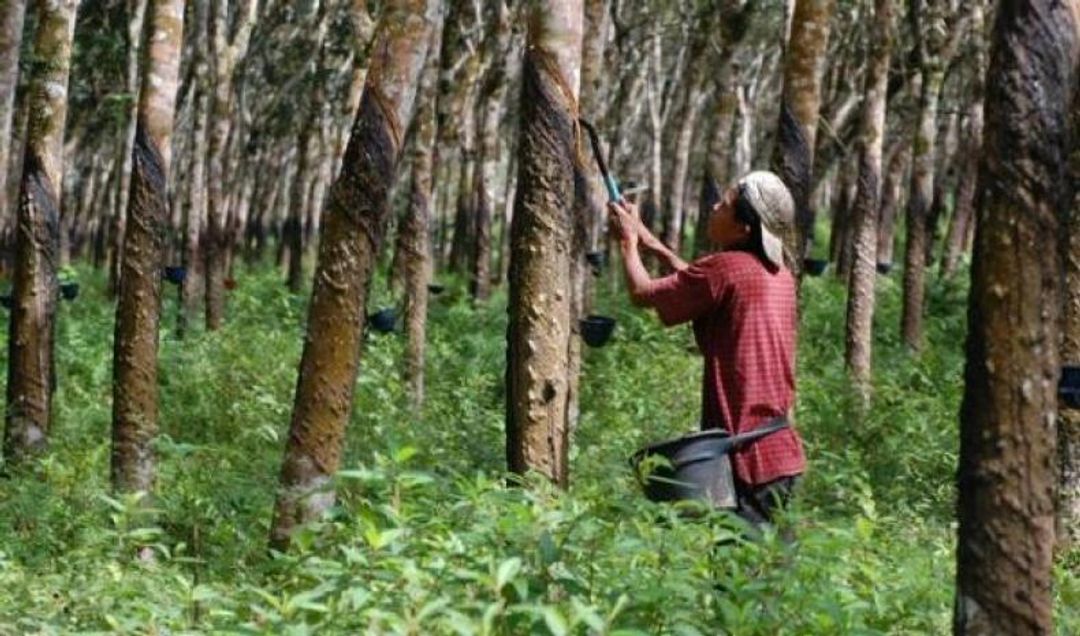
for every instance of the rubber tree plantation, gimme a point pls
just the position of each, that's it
(488, 317)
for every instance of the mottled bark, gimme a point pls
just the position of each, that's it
(136, 12)
(538, 333)
(354, 222)
(1007, 470)
(891, 192)
(193, 289)
(226, 53)
(138, 312)
(964, 209)
(860, 308)
(415, 245)
(12, 13)
(490, 104)
(31, 330)
(1069, 418)
(800, 102)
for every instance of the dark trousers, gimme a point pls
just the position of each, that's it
(758, 504)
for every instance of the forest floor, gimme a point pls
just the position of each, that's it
(428, 539)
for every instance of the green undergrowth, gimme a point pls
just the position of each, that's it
(428, 538)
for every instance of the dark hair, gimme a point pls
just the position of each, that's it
(745, 213)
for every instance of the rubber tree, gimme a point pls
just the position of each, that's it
(541, 240)
(415, 233)
(1069, 425)
(864, 213)
(355, 219)
(1007, 468)
(734, 24)
(490, 100)
(228, 47)
(964, 209)
(12, 13)
(135, 11)
(800, 102)
(138, 312)
(934, 49)
(31, 331)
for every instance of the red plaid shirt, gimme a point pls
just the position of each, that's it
(744, 322)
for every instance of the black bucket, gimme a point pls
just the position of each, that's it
(815, 266)
(596, 330)
(883, 268)
(175, 274)
(383, 321)
(1069, 386)
(70, 291)
(6, 301)
(693, 467)
(435, 289)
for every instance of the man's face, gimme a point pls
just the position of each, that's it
(724, 229)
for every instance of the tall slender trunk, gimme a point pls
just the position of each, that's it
(31, 331)
(1007, 469)
(1069, 418)
(920, 197)
(355, 220)
(860, 309)
(12, 14)
(193, 288)
(890, 199)
(490, 104)
(964, 209)
(138, 312)
(136, 11)
(538, 334)
(227, 52)
(416, 230)
(800, 102)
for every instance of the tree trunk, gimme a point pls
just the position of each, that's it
(800, 102)
(138, 312)
(490, 103)
(964, 209)
(920, 197)
(541, 240)
(12, 13)
(860, 308)
(1069, 424)
(890, 199)
(355, 219)
(226, 53)
(31, 367)
(193, 288)
(416, 229)
(136, 11)
(1006, 474)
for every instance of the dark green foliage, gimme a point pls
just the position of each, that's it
(428, 539)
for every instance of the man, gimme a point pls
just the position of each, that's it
(742, 304)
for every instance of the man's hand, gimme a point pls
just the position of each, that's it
(625, 221)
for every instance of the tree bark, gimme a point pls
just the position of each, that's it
(136, 11)
(860, 308)
(12, 14)
(1006, 475)
(800, 103)
(490, 105)
(138, 312)
(964, 209)
(355, 220)
(1069, 425)
(541, 240)
(226, 53)
(417, 259)
(31, 332)
(890, 199)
